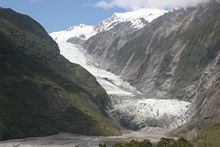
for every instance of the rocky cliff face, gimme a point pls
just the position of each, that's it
(170, 57)
(41, 92)
(105, 46)
(176, 56)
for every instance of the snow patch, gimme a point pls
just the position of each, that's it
(136, 18)
(148, 14)
(81, 31)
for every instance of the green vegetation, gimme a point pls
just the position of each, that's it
(133, 143)
(204, 129)
(209, 136)
(202, 39)
(42, 93)
(181, 142)
(164, 142)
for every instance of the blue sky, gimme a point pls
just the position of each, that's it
(57, 15)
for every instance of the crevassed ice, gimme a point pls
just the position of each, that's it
(113, 84)
(172, 111)
(125, 101)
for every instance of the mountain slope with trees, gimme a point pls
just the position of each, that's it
(42, 93)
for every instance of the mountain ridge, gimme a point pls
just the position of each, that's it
(133, 20)
(42, 93)
(175, 56)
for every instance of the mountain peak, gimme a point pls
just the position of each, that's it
(80, 26)
(137, 18)
(81, 31)
(148, 14)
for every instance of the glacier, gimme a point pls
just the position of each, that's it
(109, 81)
(128, 105)
(127, 102)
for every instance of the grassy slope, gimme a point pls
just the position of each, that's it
(209, 136)
(204, 128)
(42, 93)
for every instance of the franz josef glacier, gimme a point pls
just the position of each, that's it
(130, 107)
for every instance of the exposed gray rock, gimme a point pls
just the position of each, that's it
(75, 40)
(174, 57)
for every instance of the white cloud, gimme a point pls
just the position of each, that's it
(135, 4)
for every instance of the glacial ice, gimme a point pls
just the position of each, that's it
(125, 102)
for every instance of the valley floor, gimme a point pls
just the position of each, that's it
(70, 140)
(127, 102)
(128, 105)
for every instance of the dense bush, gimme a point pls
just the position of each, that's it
(164, 142)
(167, 142)
(135, 143)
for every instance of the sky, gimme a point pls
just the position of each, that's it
(56, 15)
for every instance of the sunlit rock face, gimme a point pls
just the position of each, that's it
(176, 56)
(172, 61)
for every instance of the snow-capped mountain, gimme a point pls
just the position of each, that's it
(137, 19)
(81, 31)
(129, 106)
